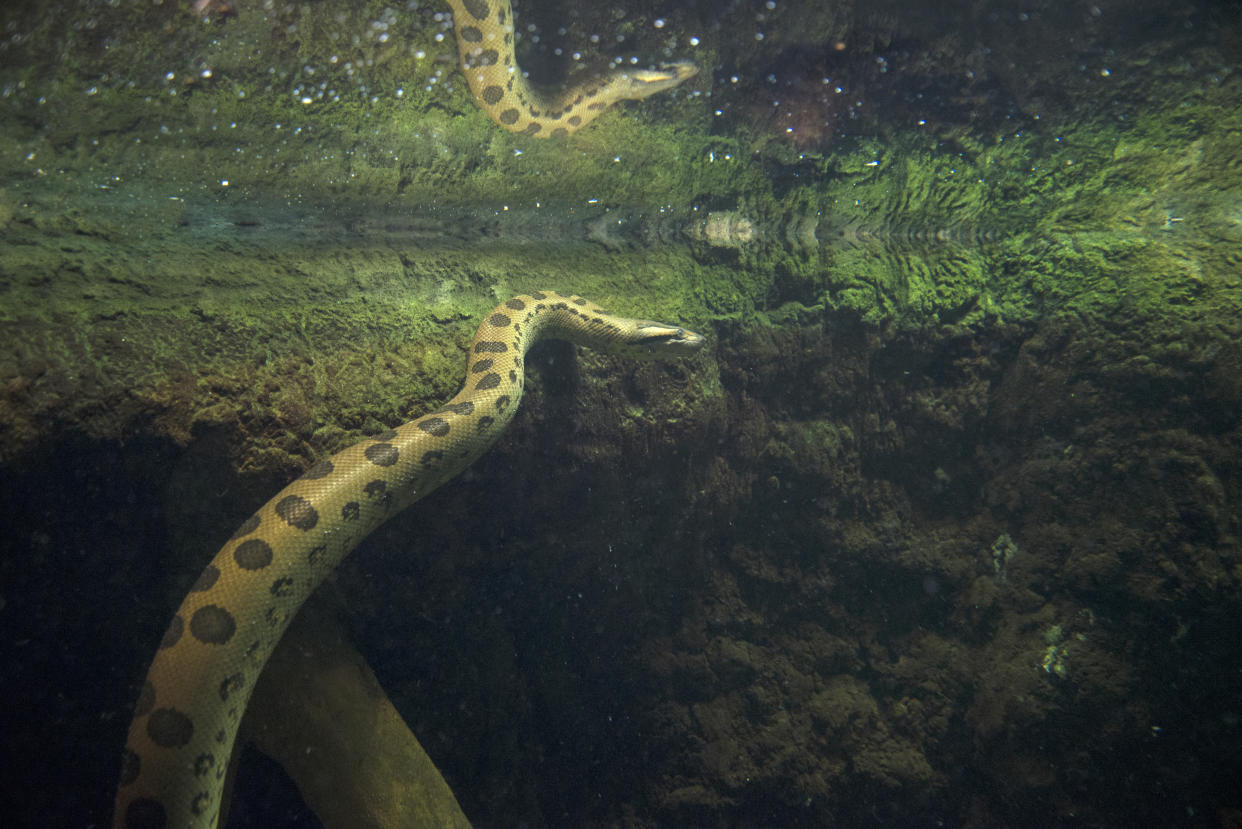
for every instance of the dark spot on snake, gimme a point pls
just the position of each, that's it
(145, 813)
(381, 454)
(200, 803)
(253, 554)
(502, 402)
(169, 728)
(481, 366)
(281, 587)
(461, 408)
(386, 435)
(508, 118)
(376, 488)
(489, 381)
(146, 700)
(489, 57)
(248, 526)
(470, 34)
(274, 617)
(212, 625)
(597, 106)
(297, 512)
(498, 320)
(221, 735)
(432, 456)
(488, 347)
(131, 766)
(437, 426)
(485, 421)
(560, 132)
(317, 553)
(203, 763)
(579, 301)
(512, 376)
(321, 469)
(538, 295)
(206, 579)
(500, 16)
(349, 511)
(173, 635)
(532, 128)
(492, 95)
(229, 686)
(477, 8)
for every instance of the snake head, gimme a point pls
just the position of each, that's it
(657, 340)
(636, 84)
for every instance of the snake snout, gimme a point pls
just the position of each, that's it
(686, 341)
(660, 340)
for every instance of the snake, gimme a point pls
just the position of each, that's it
(199, 683)
(484, 30)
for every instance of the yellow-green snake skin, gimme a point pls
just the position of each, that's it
(199, 683)
(485, 43)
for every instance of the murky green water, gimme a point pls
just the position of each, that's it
(943, 530)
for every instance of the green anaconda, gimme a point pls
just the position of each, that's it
(200, 681)
(485, 42)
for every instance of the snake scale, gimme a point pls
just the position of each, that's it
(485, 43)
(200, 681)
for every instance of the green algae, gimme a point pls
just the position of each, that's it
(1087, 217)
(148, 288)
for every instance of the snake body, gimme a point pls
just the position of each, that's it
(200, 681)
(485, 43)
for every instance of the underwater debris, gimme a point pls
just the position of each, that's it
(1003, 549)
